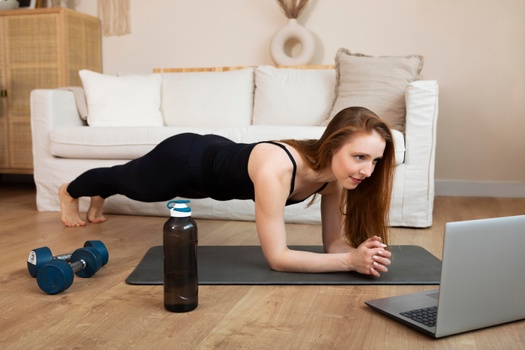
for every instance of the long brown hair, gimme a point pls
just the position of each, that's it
(365, 208)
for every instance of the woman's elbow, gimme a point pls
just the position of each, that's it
(276, 265)
(277, 262)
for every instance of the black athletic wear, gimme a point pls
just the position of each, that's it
(185, 165)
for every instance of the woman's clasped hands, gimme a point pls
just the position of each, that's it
(371, 257)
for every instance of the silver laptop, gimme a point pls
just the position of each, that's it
(482, 281)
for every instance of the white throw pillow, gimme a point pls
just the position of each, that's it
(208, 99)
(285, 96)
(132, 100)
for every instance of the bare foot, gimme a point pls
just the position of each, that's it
(94, 213)
(70, 215)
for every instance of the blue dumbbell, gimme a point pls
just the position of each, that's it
(41, 256)
(58, 275)
(101, 248)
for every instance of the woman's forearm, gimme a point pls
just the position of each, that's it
(302, 261)
(370, 257)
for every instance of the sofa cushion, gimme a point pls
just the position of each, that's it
(286, 96)
(377, 83)
(133, 142)
(111, 142)
(132, 100)
(208, 99)
(256, 133)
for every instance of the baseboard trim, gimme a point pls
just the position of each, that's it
(458, 188)
(19, 178)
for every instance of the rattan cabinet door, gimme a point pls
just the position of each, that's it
(41, 49)
(4, 161)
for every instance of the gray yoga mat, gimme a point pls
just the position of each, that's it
(246, 265)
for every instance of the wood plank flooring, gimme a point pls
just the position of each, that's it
(105, 312)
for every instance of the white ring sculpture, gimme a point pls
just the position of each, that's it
(292, 30)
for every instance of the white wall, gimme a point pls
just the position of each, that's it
(474, 48)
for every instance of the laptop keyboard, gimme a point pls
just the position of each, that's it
(425, 316)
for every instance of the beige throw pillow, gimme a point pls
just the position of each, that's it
(377, 83)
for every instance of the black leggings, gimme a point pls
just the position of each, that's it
(171, 169)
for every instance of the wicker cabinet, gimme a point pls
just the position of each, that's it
(43, 48)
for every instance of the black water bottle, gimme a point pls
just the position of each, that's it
(181, 286)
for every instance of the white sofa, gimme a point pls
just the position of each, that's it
(246, 105)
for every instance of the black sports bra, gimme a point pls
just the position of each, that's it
(225, 169)
(292, 183)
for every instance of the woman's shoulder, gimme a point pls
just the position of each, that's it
(269, 159)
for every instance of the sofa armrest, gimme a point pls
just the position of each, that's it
(50, 109)
(421, 121)
(54, 108)
(421, 118)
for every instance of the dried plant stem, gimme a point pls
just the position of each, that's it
(292, 8)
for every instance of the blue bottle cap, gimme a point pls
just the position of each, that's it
(178, 208)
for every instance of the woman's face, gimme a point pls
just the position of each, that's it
(357, 158)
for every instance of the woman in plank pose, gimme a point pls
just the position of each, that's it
(351, 167)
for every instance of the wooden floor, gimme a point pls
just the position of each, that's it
(105, 312)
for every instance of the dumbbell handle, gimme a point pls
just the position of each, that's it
(78, 265)
(65, 257)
